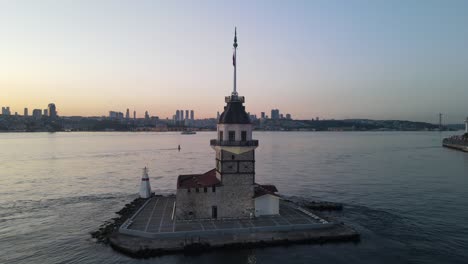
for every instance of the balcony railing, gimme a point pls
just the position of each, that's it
(227, 143)
(234, 98)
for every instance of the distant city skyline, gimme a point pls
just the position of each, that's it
(336, 60)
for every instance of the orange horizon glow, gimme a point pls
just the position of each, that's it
(310, 59)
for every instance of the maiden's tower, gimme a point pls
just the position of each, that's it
(229, 190)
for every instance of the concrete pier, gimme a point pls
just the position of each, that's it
(152, 230)
(456, 146)
(456, 142)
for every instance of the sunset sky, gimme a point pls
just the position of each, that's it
(332, 59)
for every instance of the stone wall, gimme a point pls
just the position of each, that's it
(237, 199)
(199, 204)
(231, 201)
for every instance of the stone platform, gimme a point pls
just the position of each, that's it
(152, 230)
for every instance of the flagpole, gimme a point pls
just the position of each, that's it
(234, 93)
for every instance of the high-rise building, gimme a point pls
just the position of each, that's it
(177, 115)
(275, 114)
(217, 115)
(6, 110)
(127, 114)
(25, 112)
(192, 115)
(134, 115)
(46, 112)
(37, 113)
(181, 115)
(262, 114)
(116, 115)
(146, 115)
(288, 116)
(52, 111)
(187, 114)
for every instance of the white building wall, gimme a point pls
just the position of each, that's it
(237, 128)
(266, 205)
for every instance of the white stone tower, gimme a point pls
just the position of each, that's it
(235, 155)
(145, 188)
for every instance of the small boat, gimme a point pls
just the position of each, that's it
(188, 132)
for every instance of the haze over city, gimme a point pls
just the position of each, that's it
(378, 60)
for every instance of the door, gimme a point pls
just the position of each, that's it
(214, 212)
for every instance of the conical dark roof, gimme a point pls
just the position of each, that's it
(234, 113)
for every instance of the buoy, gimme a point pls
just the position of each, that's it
(145, 188)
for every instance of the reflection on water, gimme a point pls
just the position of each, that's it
(405, 193)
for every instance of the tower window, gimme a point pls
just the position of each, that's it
(220, 135)
(244, 136)
(232, 135)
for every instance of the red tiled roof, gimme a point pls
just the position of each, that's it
(261, 190)
(206, 179)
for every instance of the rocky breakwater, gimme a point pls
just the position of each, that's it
(105, 231)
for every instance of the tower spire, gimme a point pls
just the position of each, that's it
(234, 92)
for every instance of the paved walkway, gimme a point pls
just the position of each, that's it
(156, 217)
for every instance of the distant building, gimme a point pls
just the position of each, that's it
(217, 115)
(134, 115)
(115, 115)
(181, 115)
(127, 114)
(52, 111)
(288, 116)
(6, 110)
(177, 115)
(25, 112)
(146, 115)
(466, 125)
(281, 116)
(192, 115)
(275, 114)
(187, 114)
(37, 113)
(46, 112)
(262, 115)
